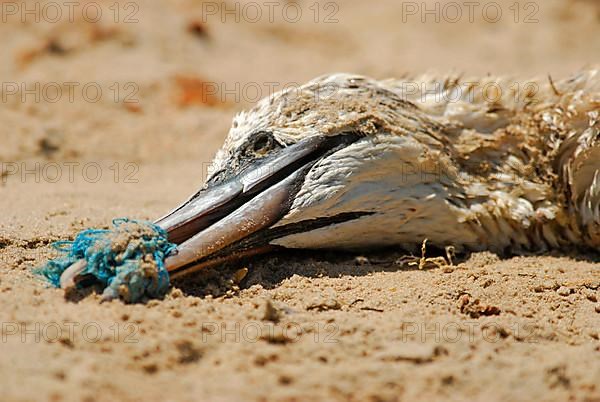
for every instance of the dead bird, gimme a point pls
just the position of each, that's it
(349, 162)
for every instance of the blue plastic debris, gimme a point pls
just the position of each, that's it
(128, 260)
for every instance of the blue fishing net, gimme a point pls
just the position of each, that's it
(128, 260)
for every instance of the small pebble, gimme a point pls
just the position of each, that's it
(176, 293)
(589, 294)
(361, 260)
(270, 312)
(563, 291)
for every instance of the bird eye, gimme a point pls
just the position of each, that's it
(262, 144)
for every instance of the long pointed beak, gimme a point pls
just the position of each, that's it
(211, 225)
(258, 213)
(214, 203)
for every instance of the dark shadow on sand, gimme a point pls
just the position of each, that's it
(272, 269)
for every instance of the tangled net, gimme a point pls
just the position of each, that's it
(127, 260)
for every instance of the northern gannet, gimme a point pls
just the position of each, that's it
(349, 162)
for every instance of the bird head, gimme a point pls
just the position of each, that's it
(325, 165)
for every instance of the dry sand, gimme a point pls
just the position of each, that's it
(299, 326)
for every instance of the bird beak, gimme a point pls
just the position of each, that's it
(230, 220)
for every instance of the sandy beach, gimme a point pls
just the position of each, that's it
(116, 110)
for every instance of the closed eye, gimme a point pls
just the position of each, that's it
(262, 144)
